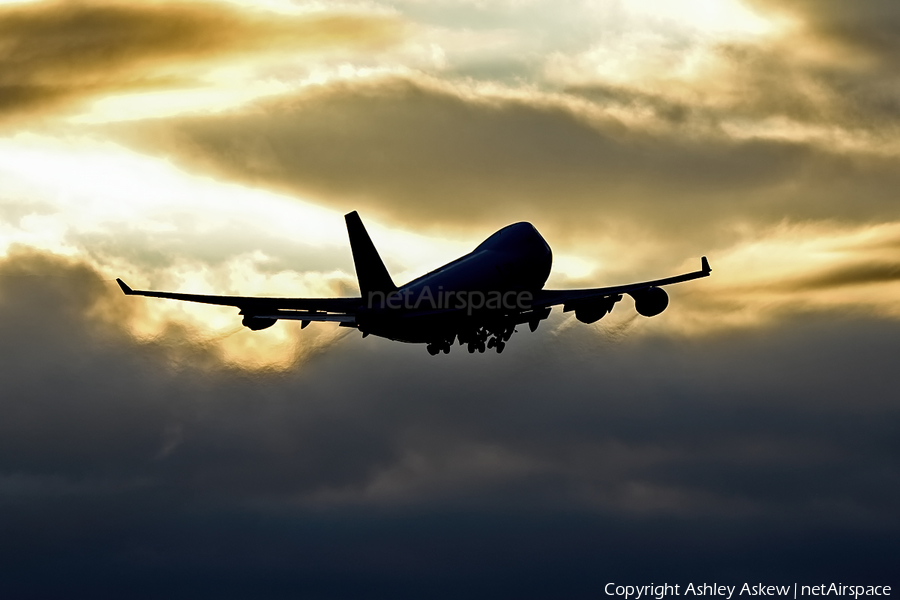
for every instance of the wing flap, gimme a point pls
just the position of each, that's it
(298, 315)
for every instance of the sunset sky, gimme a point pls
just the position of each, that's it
(750, 431)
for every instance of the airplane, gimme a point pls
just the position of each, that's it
(477, 299)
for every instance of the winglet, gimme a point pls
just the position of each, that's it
(128, 291)
(704, 264)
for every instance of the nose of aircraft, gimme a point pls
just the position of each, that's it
(528, 253)
(516, 237)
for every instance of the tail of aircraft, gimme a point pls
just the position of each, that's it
(371, 273)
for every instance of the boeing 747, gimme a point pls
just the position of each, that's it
(478, 299)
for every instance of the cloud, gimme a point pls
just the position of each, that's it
(868, 26)
(858, 274)
(215, 334)
(834, 66)
(429, 154)
(642, 425)
(55, 54)
(140, 457)
(823, 75)
(143, 451)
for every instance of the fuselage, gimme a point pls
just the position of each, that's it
(515, 259)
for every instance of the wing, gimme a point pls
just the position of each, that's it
(546, 298)
(306, 309)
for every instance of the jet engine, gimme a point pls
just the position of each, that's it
(257, 323)
(651, 301)
(591, 314)
(593, 310)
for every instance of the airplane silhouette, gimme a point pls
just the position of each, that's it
(478, 299)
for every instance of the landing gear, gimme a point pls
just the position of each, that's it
(498, 342)
(493, 336)
(438, 347)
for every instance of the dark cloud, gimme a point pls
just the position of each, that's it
(425, 155)
(870, 272)
(375, 470)
(872, 26)
(837, 67)
(55, 53)
(755, 83)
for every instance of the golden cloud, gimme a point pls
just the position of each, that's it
(424, 153)
(206, 338)
(827, 74)
(55, 53)
(871, 27)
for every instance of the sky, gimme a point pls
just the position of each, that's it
(158, 449)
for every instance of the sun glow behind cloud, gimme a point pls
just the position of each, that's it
(140, 218)
(226, 89)
(728, 17)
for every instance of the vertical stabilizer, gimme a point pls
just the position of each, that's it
(370, 270)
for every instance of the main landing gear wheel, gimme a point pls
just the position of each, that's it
(438, 347)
